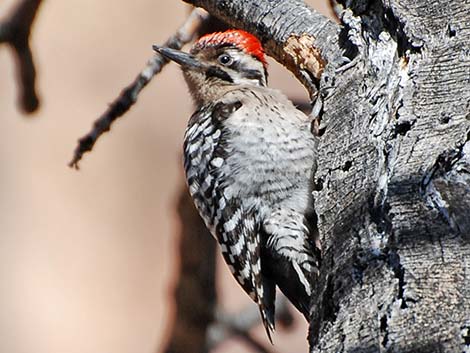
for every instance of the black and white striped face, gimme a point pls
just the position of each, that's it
(243, 69)
(233, 65)
(210, 70)
(221, 67)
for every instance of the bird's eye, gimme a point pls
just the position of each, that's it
(225, 59)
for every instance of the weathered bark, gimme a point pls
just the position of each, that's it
(291, 32)
(394, 210)
(393, 176)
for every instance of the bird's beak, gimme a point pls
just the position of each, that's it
(184, 59)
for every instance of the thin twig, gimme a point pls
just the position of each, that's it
(129, 95)
(255, 344)
(15, 31)
(336, 9)
(239, 325)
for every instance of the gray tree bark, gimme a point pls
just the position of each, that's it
(394, 162)
(393, 167)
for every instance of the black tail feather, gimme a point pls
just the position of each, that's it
(267, 307)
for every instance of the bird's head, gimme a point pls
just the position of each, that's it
(218, 60)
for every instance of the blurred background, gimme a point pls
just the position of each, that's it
(88, 258)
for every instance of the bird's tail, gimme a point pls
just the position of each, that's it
(268, 320)
(266, 306)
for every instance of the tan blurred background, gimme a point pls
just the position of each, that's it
(87, 258)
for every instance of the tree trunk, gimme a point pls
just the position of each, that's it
(393, 170)
(394, 184)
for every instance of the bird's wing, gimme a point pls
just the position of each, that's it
(238, 234)
(236, 228)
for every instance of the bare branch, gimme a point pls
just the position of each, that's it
(15, 31)
(239, 325)
(291, 32)
(336, 8)
(195, 295)
(129, 95)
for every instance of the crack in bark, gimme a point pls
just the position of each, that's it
(350, 50)
(330, 309)
(377, 17)
(403, 127)
(379, 212)
(465, 333)
(436, 200)
(384, 329)
(347, 165)
(399, 272)
(444, 164)
(396, 28)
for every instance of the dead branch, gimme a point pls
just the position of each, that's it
(195, 293)
(294, 34)
(239, 325)
(15, 31)
(129, 95)
(336, 9)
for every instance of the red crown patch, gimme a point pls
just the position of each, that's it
(241, 39)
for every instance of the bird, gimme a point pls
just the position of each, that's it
(249, 158)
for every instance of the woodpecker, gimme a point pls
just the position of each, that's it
(248, 158)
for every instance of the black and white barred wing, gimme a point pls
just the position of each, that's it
(239, 238)
(206, 149)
